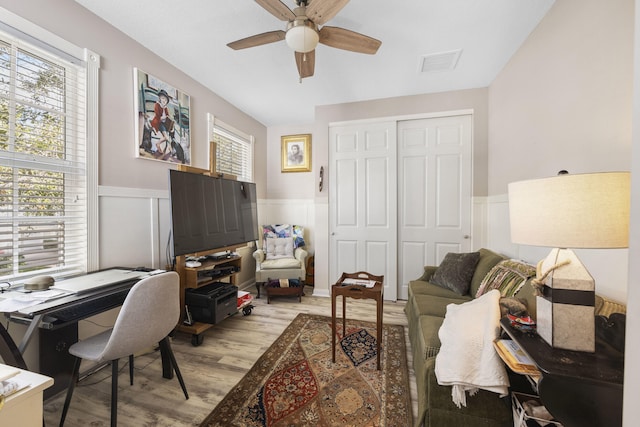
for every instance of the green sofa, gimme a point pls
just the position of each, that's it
(425, 310)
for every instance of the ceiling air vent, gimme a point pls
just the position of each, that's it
(442, 61)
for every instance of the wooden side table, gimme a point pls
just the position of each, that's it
(357, 291)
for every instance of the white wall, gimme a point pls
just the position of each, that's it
(632, 353)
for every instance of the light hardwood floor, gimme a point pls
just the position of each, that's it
(210, 370)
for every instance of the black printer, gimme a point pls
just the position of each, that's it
(212, 303)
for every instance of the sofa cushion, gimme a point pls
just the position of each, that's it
(275, 264)
(456, 271)
(417, 287)
(606, 307)
(507, 276)
(428, 273)
(433, 305)
(488, 259)
(280, 247)
(483, 409)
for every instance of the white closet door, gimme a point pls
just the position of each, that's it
(434, 196)
(363, 201)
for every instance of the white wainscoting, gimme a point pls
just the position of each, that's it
(290, 211)
(135, 223)
(134, 228)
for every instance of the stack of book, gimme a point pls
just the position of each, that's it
(516, 359)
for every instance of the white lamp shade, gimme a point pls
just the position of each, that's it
(572, 211)
(302, 36)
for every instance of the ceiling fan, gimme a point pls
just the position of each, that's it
(302, 33)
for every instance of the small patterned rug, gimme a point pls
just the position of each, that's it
(294, 383)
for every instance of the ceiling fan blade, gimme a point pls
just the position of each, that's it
(348, 40)
(320, 11)
(277, 9)
(257, 40)
(306, 63)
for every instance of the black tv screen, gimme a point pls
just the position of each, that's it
(210, 213)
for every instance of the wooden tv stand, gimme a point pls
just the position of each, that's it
(190, 278)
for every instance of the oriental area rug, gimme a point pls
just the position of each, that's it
(295, 383)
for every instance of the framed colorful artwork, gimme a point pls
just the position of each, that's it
(162, 123)
(296, 153)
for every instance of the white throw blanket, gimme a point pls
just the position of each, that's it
(467, 360)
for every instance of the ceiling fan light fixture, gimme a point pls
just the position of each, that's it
(302, 35)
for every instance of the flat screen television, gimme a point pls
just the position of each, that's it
(210, 213)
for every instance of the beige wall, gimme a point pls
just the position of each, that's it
(118, 165)
(564, 99)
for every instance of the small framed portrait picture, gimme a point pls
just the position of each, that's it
(296, 153)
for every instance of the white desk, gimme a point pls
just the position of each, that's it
(24, 408)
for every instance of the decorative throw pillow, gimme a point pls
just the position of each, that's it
(507, 276)
(279, 247)
(297, 232)
(283, 230)
(456, 271)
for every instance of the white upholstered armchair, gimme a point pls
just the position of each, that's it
(280, 254)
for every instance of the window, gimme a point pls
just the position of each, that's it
(44, 192)
(234, 150)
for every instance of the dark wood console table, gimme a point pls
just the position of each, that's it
(579, 389)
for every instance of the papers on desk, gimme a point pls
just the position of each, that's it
(7, 372)
(13, 385)
(360, 282)
(15, 301)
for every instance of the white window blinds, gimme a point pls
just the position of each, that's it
(234, 150)
(43, 177)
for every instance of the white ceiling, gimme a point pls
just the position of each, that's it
(263, 81)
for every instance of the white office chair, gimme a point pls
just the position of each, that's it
(149, 313)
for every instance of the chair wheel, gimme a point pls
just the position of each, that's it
(246, 310)
(196, 339)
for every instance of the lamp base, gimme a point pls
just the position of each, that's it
(570, 327)
(565, 313)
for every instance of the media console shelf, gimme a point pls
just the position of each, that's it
(195, 277)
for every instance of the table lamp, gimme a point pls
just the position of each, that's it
(563, 212)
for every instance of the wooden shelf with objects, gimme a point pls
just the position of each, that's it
(196, 277)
